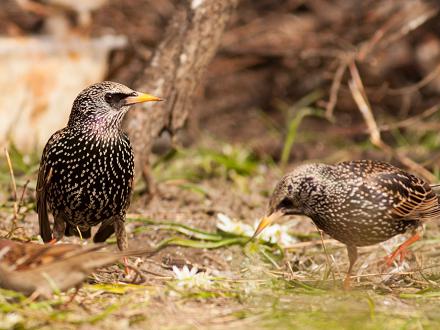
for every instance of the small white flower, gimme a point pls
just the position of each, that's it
(10, 320)
(228, 225)
(277, 234)
(190, 278)
(185, 273)
(273, 234)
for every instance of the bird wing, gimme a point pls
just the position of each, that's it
(413, 198)
(410, 197)
(44, 177)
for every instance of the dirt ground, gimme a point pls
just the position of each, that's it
(250, 285)
(250, 109)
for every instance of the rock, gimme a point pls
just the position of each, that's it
(41, 77)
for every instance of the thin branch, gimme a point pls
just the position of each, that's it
(11, 173)
(334, 89)
(415, 87)
(411, 120)
(327, 258)
(17, 202)
(415, 15)
(358, 92)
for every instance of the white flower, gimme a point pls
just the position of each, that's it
(185, 273)
(9, 320)
(228, 225)
(276, 233)
(190, 278)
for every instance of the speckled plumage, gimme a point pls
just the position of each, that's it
(358, 203)
(86, 170)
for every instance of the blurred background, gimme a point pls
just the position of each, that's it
(293, 80)
(252, 89)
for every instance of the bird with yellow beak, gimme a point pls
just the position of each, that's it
(87, 168)
(358, 203)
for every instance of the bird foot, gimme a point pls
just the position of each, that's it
(347, 283)
(401, 251)
(127, 268)
(52, 241)
(398, 253)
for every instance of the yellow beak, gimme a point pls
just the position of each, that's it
(141, 98)
(266, 221)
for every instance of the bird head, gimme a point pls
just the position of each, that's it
(294, 194)
(106, 102)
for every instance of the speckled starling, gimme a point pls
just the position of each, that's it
(86, 170)
(358, 203)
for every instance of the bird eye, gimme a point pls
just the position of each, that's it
(109, 98)
(114, 98)
(286, 203)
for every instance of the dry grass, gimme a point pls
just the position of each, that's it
(252, 285)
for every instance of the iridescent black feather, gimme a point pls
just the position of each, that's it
(86, 170)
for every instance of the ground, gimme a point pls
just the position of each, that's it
(239, 284)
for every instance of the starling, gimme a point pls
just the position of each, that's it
(358, 203)
(39, 270)
(86, 170)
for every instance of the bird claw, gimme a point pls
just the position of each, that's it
(400, 253)
(127, 269)
(52, 241)
(347, 283)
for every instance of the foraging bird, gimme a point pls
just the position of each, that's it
(358, 203)
(39, 270)
(86, 170)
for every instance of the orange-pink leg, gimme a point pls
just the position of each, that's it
(127, 269)
(401, 250)
(352, 256)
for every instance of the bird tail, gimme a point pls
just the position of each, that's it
(43, 216)
(43, 220)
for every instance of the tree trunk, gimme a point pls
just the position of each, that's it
(174, 73)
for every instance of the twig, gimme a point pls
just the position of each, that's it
(415, 87)
(385, 36)
(289, 266)
(411, 271)
(312, 243)
(358, 92)
(11, 173)
(14, 194)
(428, 12)
(20, 203)
(334, 89)
(326, 254)
(411, 120)
(368, 47)
(17, 202)
(408, 162)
